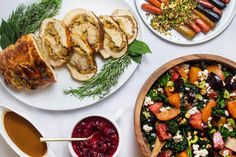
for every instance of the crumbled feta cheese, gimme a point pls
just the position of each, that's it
(187, 88)
(165, 108)
(186, 68)
(233, 79)
(209, 90)
(226, 113)
(209, 119)
(193, 111)
(199, 153)
(195, 146)
(203, 75)
(160, 90)
(232, 94)
(189, 138)
(178, 137)
(148, 101)
(230, 128)
(147, 128)
(205, 100)
(153, 135)
(225, 152)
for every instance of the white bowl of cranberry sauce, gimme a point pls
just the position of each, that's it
(105, 143)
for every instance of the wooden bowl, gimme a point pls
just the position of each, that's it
(148, 84)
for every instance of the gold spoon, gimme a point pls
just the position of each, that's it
(45, 139)
(157, 148)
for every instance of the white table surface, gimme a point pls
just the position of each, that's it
(59, 124)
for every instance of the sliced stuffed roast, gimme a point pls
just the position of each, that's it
(85, 24)
(23, 65)
(55, 39)
(127, 23)
(115, 43)
(81, 64)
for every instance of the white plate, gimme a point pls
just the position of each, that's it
(52, 98)
(175, 37)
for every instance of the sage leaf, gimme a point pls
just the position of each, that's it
(138, 48)
(7, 30)
(137, 59)
(15, 29)
(4, 41)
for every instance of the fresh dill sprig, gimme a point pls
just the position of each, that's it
(28, 18)
(101, 84)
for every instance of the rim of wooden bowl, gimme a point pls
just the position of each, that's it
(141, 140)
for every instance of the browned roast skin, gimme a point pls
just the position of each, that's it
(23, 67)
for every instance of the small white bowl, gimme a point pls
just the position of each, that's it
(112, 120)
(3, 110)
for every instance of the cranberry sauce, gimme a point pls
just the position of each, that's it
(103, 144)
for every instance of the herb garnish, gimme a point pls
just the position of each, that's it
(101, 84)
(26, 19)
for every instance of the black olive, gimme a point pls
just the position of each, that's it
(214, 81)
(190, 96)
(230, 83)
(179, 85)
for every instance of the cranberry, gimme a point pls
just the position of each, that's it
(104, 143)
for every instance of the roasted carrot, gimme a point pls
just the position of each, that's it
(226, 1)
(194, 27)
(206, 4)
(185, 31)
(204, 18)
(156, 3)
(218, 11)
(164, 1)
(151, 9)
(203, 25)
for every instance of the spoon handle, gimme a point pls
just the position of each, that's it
(44, 139)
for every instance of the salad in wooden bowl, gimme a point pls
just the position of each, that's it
(187, 108)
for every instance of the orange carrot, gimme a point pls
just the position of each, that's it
(155, 3)
(206, 111)
(151, 9)
(164, 1)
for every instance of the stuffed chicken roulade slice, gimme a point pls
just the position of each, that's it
(127, 23)
(23, 65)
(81, 64)
(85, 24)
(115, 42)
(55, 41)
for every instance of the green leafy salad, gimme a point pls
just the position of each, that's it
(192, 109)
